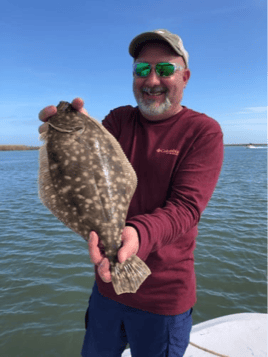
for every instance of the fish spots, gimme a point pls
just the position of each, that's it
(120, 180)
(65, 189)
(54, 166)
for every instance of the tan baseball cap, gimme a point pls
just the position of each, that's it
(173, 40)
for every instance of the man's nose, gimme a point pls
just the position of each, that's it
(153, 79)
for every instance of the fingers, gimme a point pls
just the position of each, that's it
(78, 104)
(50, 110)
(42, 128)
(97, 258)
(104, 271)
(123, 254)
(84, 111)
(47, 112)
(130, 240)
(94, 251)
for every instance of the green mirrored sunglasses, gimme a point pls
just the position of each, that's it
(162, 69)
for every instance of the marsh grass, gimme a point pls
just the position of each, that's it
(17, 147)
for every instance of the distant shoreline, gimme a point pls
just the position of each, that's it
(18, 147)
(245, 144)
(25, 147)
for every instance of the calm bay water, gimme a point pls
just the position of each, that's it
(46, 275)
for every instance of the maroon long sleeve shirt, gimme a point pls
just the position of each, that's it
(177, 162)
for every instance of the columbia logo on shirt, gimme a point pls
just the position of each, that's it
(170, 152)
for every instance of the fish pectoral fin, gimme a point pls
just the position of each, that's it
(127, 277)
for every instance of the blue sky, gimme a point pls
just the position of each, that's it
(59, 50)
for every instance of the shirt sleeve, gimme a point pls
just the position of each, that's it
(111, 124)
(113, 121)
(191, 188)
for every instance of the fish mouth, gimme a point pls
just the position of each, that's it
(67, 119)
(80, 129)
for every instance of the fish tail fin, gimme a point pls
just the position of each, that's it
(127, 277)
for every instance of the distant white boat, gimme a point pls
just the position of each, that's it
(250, 146)
(238, 335)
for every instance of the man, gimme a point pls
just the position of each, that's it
(177, 154)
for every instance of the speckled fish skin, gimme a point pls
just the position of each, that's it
(87, 182)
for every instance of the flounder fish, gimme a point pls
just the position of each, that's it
(87, 182)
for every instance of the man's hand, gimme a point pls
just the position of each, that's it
(130, 240)
(47, 112)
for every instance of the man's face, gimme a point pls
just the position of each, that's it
(159, 97)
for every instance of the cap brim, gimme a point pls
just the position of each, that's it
(137, 42)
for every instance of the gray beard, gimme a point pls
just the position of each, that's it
(149, 107)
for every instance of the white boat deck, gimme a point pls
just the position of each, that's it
(238, 335)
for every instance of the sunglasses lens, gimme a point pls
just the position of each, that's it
(164, 69)
(142, 69)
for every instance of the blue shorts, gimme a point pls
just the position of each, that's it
(111, 325)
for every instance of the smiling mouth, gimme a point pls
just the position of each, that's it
(153, 94)
(154, 91)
